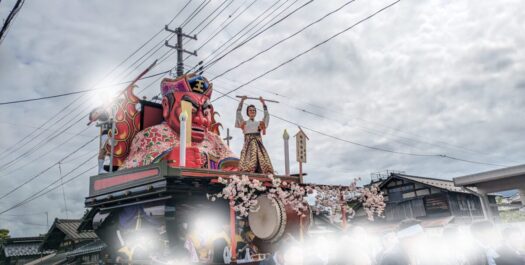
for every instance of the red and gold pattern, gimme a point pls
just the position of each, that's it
(127, 125)
(155, 141)
(127, 122)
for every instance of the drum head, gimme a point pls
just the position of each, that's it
(267, 221)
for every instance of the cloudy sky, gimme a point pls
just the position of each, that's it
(423, 77)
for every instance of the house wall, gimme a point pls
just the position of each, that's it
(465, 207)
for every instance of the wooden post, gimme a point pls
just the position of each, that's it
(301, 172)
(286, 137)
(232, 232)
(300, 149)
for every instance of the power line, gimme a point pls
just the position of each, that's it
(6, 165)
(372, 147)
(79, 91)
(43, 191)
(220, 29)
(38, 145)
(195, 12)
(63, 190)
(310, 49)
(7, 22)
(225, 26)
(279, 42)
(257, 34)
(45, 170)
(32, 150)
(21, 222)
(209, 16)
(335, 137)
(241, 30)
(17, 146)
(154, 35)
(216, 54)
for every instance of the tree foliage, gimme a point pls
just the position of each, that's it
(4, 234)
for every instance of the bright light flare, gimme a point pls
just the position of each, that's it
(105, 93)
(294, 256)
(206, 227)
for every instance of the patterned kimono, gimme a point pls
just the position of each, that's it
(152, 144)
(254, 157)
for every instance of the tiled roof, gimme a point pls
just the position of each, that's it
(63, 229)
(92, 247)
(70, 226)
(50, 260)
(437, 183)
(24, 246)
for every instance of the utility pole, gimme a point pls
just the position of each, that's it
(228, 137)
(179, 48)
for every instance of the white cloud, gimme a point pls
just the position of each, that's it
(434, 77)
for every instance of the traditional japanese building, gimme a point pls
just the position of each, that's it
(90, 253)
(20, 250)
(436, 202)
(67, 243)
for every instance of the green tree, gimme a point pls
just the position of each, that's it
(4, 234)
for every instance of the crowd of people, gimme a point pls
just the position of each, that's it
(481, 243)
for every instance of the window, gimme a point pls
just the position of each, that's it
(422, 192)
(409, 194)
(434, 191)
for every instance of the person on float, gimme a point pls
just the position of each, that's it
(157, 142)
(254, 157)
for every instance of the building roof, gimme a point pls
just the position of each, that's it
(92, 247)
(52, 259)
(65, 229)
(492, 175)
(23, 246)
(433, 182)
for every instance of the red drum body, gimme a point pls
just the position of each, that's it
(274, 221)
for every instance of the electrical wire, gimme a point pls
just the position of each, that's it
(280, 41)
(257, 34)
(310, 49)
(43, 191)
(7, 22)
(17, 144)
(47, 169)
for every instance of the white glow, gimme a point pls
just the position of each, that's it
(206, 227)
(294, 256)
(105, 93)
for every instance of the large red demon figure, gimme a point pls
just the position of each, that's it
(162, 141)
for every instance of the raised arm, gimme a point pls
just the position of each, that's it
(266, 118)
(238, 117)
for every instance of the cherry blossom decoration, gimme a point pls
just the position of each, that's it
(243, 191)
(331, 199)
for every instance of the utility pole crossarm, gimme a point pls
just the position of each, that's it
(176, 31)
(178, 47)
(166, 43)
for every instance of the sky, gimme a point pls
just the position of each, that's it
(421, 79)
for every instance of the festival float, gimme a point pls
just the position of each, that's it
(175, 193)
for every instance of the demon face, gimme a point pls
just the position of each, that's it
(201, 113)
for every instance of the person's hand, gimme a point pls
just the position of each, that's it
(243, 98)
(262, 100)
